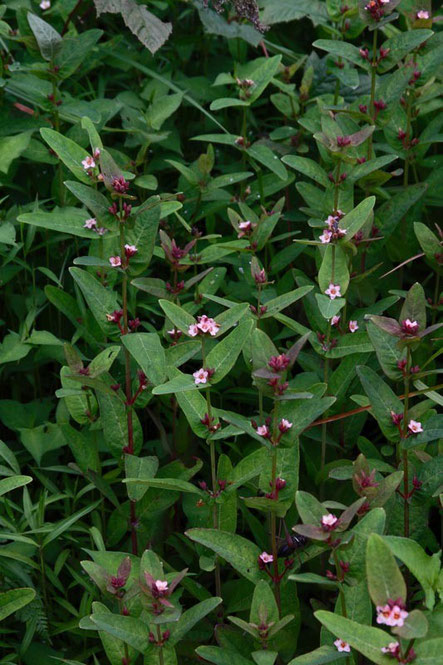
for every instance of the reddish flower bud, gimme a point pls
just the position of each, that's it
(362, 108)
(120, 185)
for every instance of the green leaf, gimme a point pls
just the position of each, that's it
(241, 553)
(350, 344)
(425, 568)
(401, 45)
(70, 153)
(159, 111)
(309, 508)
(382, 400)
(220, 656)
(263, 605)
(321, 656)
(414, 306)
(227, 102)
(49, 41)
(12, 147)
(429, 652)
(385, 581)
(329, 308)
(174, 484)
(64, 220)
(387, 350)
(100, 299)
(308, 167)
(178, 384)
(147, 27)
(11, 483)
(224, 355)
(365, 639)
(141, 468)
(149, 354)
(178, 316)
(91, 198)
(125, 628)
(302, 412)
(390, 213)
(428, 241)
(191, 617)
(275, 305)
(13, 600)
(113, 418)
(344, 50)
(60, 527)
(334, 269)
(415, 626)
(357, 218)
(264, 155)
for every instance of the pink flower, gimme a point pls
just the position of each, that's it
(45, 4)
(415, 427)
(393, 649)
(115, 261)
(266, 558)
(96, 153)
(245, 228)
(161, 585)
(342, 645)
(329, 521)
(397, 616)
(200, 376)
(263, 431)
(90, 223)
(423, 14)
(333, 291)
(193, 330)
(88, 163)
(383, 613)
(101, 231)
(353, 326)
(409, 327)
(325, 236)
(130, 250)
(335, 320)
(207, 325)
(284, 425)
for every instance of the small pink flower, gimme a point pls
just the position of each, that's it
(200, 376)
(335, 320)
(266, 558)
(409, 327)
(101, 231)
(130, 250)
(329, 521)
(284, 425)
(415, 427)
(245, 228)
(96, 153)
(90, 223)
(423, 14)
(392, 649)
(161, 585)
(325, 236)
(383, 613)
(353, 326)
(330, 221)
(193, 330)
(207, 325)
(397, 616)
(263, 431)
(384, 2)
(342, 645)
(333, 291)
(88, 163)
(45, 4)
(115, 261)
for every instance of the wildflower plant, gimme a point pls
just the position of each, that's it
(221, 269)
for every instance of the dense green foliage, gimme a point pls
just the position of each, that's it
(221, 309)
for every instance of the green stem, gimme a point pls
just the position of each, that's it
(405, 452)
(160, 648)
(274, 534)
(336, 186)
(373, 76)
(436, 297)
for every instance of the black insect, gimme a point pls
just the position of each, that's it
(292, 543)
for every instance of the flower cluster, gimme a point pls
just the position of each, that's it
(393, 613)
(245, 228)
(91, 224)
(205, 325)
(279, 363)
(333, 231)
(394, 650)
(376, 9)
